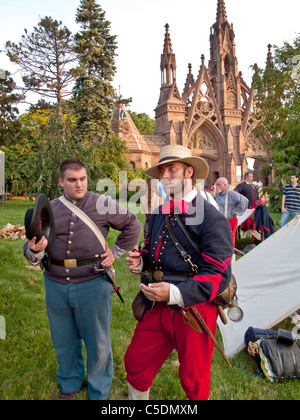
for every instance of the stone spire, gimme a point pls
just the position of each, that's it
(188, 83)
(168, 61)
(221, 12)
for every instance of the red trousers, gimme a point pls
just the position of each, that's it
(233, 226)
(160, 332)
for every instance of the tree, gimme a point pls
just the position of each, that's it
(278, 104)
(93, 92)
(20, 156)
(10, 126)
(143, 122)
(45, 163)
(45, 58)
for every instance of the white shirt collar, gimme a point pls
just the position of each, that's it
(190, 196)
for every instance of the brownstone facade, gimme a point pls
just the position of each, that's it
(215, 114)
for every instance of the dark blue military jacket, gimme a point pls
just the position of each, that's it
(211, 231)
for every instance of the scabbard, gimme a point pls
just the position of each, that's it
(205, 327)
(110, 275)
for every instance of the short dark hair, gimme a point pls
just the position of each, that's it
(247, 174)
(74, 164)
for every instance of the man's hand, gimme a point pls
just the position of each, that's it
(108, 257)
(39, 246)
(133, 259)
(157, 292)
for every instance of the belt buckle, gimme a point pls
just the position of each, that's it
(158, 275)
(70, 263)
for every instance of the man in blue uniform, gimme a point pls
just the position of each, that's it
(78, 293)
(179, 283)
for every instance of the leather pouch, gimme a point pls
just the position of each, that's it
(138, 307)
(285, 337)
(189, 319)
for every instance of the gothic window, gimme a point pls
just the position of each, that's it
(204, 89)
(227, 65)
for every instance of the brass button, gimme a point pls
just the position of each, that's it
(69, 242)
(68, 279)
(158, 275)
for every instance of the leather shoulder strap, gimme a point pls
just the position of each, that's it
(180, 249)
(187, 234)
(79, 213)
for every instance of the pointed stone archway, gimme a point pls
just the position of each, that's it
(207, 141)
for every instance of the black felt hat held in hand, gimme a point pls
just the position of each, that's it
(39, 220)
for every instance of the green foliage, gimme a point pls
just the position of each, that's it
(52, 133)
(93, 92)
(58, 144)
(93, 109)
(10, 127)
(278, 104)
(20, 156)
(105, 161)
(45, 58)
(143, 122)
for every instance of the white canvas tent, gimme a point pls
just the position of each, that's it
(268, 281)
(245, 216)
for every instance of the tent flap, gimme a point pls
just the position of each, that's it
(268, 279)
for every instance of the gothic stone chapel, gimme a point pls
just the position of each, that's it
(214, 116)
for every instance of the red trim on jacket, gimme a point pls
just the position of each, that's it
(214, 279)
(221, 266)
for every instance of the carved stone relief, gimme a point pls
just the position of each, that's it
(202, 141)
(253, 144)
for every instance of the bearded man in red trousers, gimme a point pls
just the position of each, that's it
(190, 278)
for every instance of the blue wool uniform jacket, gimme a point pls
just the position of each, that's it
(212, 234)
(74, 239)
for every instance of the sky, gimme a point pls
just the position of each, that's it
(140, 28)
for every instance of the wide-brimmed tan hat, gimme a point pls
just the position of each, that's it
(176, 153)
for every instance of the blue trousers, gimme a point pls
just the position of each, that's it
(80, 313)
(285, 217)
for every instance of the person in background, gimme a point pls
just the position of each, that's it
(248, 189)
(290, 200)
(231, 204)
(209, 198)
(213, 190)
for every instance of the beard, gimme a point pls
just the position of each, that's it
(177, 188)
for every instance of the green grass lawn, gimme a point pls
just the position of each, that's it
(28, 360)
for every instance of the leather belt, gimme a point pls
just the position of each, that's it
(71, 262)
(167, 276)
